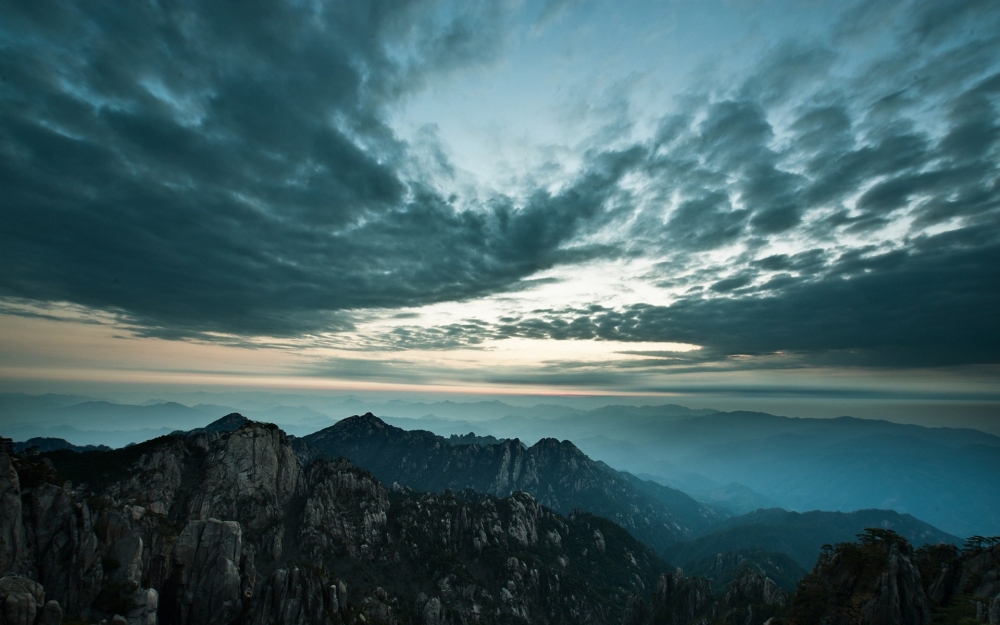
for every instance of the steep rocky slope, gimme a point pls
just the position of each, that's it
(219, 527)
(881, 580)
(558, 474)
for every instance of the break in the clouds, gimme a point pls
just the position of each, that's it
(196, 170)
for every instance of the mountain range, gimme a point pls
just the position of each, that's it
(238, 523)
(227, 524)
(736, 462)
(556, 473)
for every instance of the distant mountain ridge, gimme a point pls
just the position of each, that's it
(944, 476)
(741, 460)
(556, 473)
(42, 445)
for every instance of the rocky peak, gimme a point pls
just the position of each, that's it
(251, 475)
(228, 423)
(367, 423)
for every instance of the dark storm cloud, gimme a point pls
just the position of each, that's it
(224, 167)
(206, 167)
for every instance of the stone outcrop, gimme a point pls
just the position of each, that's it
(14, 554)
(970, 576)
(252, 475)
(752, 586)
(872, 582)
(154, 479)
(229, 526)
(173, 531)
(752, 599)
(60, 527)
(900, 598)
(298, 596)
(329, 527)
(213, 575)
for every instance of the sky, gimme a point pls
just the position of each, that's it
(662, 199)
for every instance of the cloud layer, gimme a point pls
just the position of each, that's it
(214, 168)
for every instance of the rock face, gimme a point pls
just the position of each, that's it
(298, 596)
(754, 587)
(471, 556)
(679, 600)
(252, 474)
(954, 578)
(752, 599)
(872, 582)
(60, 527)
(900, 596)
(212, 574)
(329, 528)
(13, 551)
(558, 474)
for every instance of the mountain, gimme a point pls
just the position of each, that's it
(800, 535)
(941, 475)
(231, 524)
(950, 487)
(109, 415)
(224, 526)
(230, 422)
(557, 473)
(20, 405)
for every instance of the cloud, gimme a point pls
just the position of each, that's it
(224, 169)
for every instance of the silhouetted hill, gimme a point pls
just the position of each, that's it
(41, 445)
